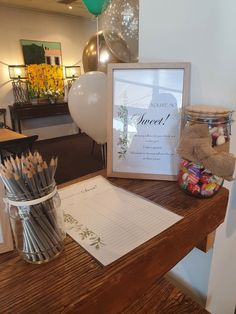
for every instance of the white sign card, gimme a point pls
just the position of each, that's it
(144, 120)
(108, 221)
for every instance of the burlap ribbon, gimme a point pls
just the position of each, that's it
(196, 145)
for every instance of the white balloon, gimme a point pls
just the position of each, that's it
(88, 106)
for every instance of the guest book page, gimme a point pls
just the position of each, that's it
(108, 221)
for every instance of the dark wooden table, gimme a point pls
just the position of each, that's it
(20, 112)
(77, 283)
(12, 143)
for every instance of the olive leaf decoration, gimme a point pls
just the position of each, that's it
(84, 232)
(123, 137)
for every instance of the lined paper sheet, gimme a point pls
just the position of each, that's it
(108, 221)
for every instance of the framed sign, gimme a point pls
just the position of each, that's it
(6, 243)
(144, 118)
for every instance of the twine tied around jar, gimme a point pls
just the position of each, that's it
(31, 202)
(196, 145)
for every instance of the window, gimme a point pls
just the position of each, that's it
(48, 60)
(57, 60)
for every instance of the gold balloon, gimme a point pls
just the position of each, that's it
(90, 55)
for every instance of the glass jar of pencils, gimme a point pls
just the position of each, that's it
(37, 225)
(33, 204)
(194, 178)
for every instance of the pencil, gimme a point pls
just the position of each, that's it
(29, 178)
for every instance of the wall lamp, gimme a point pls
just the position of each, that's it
(72, 72)
(17, 74)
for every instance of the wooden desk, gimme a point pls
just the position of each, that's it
(76, 283)
(6, 135)
(21, 112)
(12, 143)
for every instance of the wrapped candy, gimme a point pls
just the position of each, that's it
(198, 181)
(204, 149)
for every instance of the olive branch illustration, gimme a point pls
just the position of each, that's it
(84, 232)
(123, 135)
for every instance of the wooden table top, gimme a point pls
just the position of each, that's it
(6, 135)
(76, 283)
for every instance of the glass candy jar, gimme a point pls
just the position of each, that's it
(37, 225)
(193, 177)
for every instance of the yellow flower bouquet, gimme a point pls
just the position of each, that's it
(45, 80)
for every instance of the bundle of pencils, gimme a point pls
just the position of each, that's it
(31, 191)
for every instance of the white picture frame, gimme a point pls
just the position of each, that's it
(145, 104)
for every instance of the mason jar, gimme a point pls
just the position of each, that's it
(193, 177)
(37, 225)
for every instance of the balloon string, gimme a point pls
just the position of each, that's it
(98, 57)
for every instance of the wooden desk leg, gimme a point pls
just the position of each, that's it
(13, 126)
(207, 243)
(18, 125)
(104, 155)
(93, 146)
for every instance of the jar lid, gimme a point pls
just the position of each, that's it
(208, 110)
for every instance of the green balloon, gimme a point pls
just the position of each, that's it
(96, 7)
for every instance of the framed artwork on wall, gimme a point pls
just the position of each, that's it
(41, 52)
(44, 66)
(144, 118)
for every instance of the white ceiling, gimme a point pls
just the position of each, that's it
(78, 8)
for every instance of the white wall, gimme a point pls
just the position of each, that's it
(71, 32)
(201, 32)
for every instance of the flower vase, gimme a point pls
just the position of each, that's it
(52, 100)
(34, 101)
